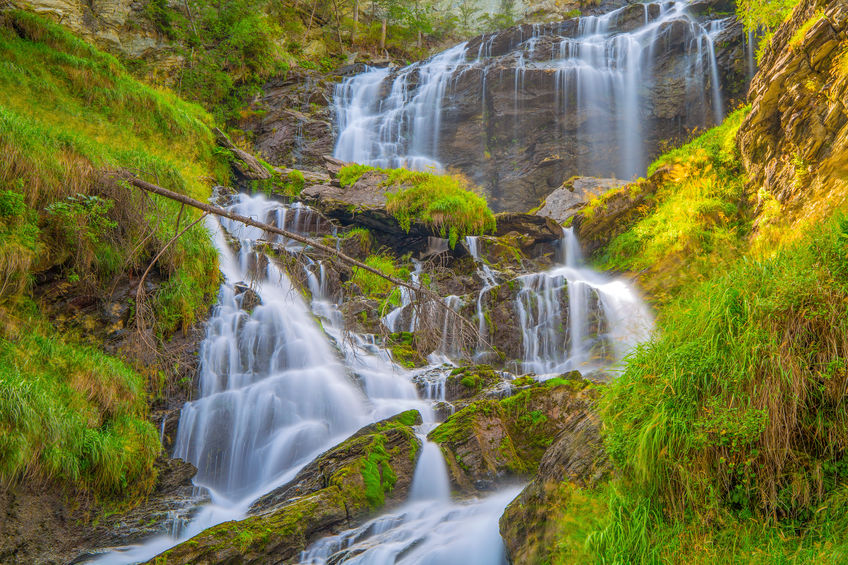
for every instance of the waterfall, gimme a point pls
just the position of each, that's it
(602, 70)
(422, 533)
(400, 129)
(574, 318)
(272, 393)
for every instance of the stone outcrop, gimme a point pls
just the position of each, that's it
(341, 488)
(120, 26)
(794, 143)
(492, 441)
(292, 122)
(566, 201)
(529, 525)
(38, 525)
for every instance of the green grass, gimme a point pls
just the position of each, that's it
(72, 414)
(728, 430)
(445, 203)
(69, 114)
(697, 222)
(69, 111)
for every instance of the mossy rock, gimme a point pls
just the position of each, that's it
(341, 488)
(467, 382)
(494, 440)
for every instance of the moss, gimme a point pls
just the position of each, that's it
(403, 349)
(445, 203)
(798, 37)
(475, 377)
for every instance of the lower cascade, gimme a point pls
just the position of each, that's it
(277, 389)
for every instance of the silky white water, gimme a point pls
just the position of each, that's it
(276, 389)
(394, 117)
(575, 318)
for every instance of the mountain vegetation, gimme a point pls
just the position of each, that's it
(723, 438)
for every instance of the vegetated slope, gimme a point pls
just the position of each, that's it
(69, 113)
(728, 430)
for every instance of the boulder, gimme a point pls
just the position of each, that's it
(794, 142)
(529, 525)
(340, 489)
(493, 441)
(566, 201)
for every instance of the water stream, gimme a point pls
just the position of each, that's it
(277, 388)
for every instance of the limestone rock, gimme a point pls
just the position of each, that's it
(115, 25)
(340, 489)
(565, 201)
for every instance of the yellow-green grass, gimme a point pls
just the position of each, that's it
(446, 203)
(70, 114)
(698, 222)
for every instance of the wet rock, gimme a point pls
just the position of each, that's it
(291, 124)
(247, 298)
(564, 202)
(496, 441)
(341, 488)
(535, 229)
(467, 382)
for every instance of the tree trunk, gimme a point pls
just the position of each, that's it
(355, 21)
(385, 23)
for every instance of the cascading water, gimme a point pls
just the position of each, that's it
(574, 318)
(601, 69)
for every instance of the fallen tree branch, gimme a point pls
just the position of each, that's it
(222, 212)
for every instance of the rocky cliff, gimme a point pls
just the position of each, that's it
(522, 110)
(120, 26)
(794, 143)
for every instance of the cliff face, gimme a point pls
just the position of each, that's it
(794, 143)
(120, 26)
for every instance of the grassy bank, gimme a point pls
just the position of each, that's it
(728, 430)
(69, 114)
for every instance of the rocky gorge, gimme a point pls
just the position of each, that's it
(395, 370)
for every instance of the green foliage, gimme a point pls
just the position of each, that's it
(68, 114)
(349, 174)
(445, 203)
(798, 36)
(230, 49)
(19, 242)
(375, 286)
(697, 221)
(72, 414)
(757, 14)
(68, 110)
(755, 358)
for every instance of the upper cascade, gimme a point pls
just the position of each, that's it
(522, 110)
